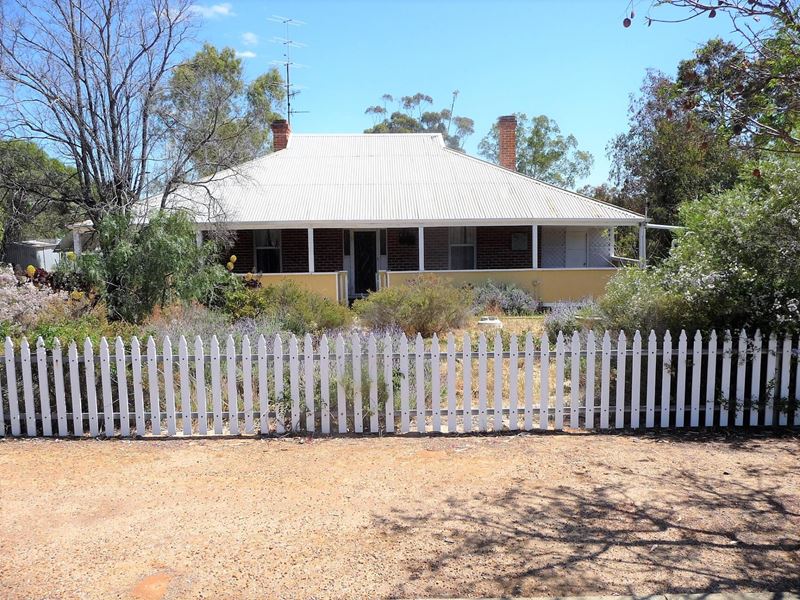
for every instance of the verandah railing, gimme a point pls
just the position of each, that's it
(389, 384)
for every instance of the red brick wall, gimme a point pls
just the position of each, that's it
(494, 248)
(294, 251)
(328, 250)
(402, 257)
(243, 249)
(437, 248)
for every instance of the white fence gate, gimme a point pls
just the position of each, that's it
(356, 384)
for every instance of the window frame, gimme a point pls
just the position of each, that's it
(468, 232)
(278, 247)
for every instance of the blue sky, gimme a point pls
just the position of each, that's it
(572, 61)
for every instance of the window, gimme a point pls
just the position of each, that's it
(268, 250)
(462, 248)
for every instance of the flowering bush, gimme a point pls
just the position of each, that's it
(504, 298)
(21, 302)
(736, 265)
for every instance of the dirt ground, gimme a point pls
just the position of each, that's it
(402, 517)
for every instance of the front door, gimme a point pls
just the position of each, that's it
(366, 261)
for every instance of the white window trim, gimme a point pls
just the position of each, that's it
(451, 245)
(256, 248)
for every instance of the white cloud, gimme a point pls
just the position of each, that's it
(213, 11)
(245, 54)
(249, 38)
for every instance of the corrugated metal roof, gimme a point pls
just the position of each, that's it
(388, 179)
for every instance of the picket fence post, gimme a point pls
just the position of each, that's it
(497, 425)
(324, 385)
(105, 378)
(575, 381)
(388, 377)
(122, 387)
(544, 384)
(619, 402)
(636, 380)
(466, 375)
(436, 384)
(233, 392)
(263, 386)
(605, 378)
(138, 394)
(513, 383)
(58, 384)
(559, 416)
(482, 376)
(294, 381)
(372, 371)
(308, 367)
(44, 388)
(247, 384)
(200, 386)
(451, 383)
(680, 384)
(405, 411)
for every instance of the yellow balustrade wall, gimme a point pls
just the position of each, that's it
(549, 285)
(330, 285)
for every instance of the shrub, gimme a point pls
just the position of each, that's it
(288, 305)
(565, 317)
(140, 267)
(737, 263)
(426, 306)
(21, 302)
(503, 298)
(636, 299)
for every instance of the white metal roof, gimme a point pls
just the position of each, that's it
(340, 180)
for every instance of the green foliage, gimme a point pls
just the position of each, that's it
(209, 109)
(494, 297)
(454, 129)
(426, 306)
(295, 309)
(542, 151)
(92, 324)
(34, 192)
(141, 267)
(736, 265)
(668, 155)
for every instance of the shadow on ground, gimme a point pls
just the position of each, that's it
(679, 532)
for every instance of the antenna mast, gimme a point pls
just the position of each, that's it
(287, 44)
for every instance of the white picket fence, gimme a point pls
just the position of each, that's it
(399, 385)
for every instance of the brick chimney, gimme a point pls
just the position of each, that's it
(280, 134)
(507, 138)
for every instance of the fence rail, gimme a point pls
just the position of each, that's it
(368, 384)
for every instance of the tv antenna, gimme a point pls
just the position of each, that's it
(288, 44)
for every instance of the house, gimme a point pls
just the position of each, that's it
(346, 214)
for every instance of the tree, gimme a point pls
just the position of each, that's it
(737, 263)
(156, 263)
(36, 192)
(542, 151)
(753, 89)
(83, 77)
(668, 155)
(454, 129)
(212, 119)
(90, 80)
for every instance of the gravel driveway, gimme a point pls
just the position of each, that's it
(401, 517)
